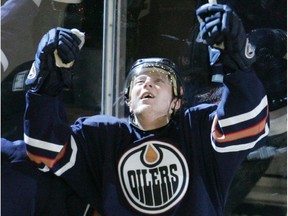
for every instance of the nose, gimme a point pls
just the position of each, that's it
(148, 83)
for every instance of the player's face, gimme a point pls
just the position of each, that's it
(151, 95)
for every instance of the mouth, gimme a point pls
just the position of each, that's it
(147, 95)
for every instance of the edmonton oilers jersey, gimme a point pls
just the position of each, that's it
(183, 168)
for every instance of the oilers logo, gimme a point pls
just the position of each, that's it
(154, 176)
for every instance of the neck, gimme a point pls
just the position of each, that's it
(150, 123)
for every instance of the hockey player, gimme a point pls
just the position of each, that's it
(163, 160)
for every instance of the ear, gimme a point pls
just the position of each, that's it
(175, 104)
(178, 103)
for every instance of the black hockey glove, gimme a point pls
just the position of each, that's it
(54, 60)
(220, 26)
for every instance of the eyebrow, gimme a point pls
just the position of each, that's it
(159, 76)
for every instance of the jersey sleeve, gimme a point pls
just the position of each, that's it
(73, 152)
(239, 125)
(242, 118)
(46, 129)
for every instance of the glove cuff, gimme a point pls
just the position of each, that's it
(241, 60)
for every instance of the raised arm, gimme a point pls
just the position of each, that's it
(241, 121)
(45, 125)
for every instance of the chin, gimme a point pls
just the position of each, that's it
(143, 108)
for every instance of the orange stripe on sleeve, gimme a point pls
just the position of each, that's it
(248, 132)
(47, 161)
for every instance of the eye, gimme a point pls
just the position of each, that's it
(138, 81)
(159, 80)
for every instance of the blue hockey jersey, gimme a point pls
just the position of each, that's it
(183, 168)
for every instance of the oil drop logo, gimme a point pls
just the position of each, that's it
(154, 176)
